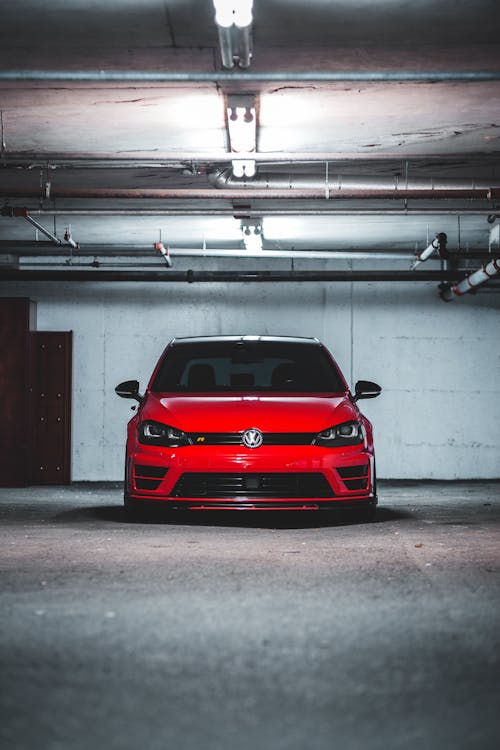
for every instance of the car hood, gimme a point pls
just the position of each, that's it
(233, 412)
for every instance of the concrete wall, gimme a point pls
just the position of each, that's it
(439, 364)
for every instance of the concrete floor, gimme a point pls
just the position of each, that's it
(276, 632)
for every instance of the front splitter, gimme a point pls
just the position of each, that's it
(270, 504)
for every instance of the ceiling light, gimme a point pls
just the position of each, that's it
(252, 234)
(234, 22)
(243, 168)
(229, 12)
(242, 130)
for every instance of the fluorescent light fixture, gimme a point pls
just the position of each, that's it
(229, 12)
(234, 23)
(252, 234)
(242, 129)
(243, 168)
(220, 229)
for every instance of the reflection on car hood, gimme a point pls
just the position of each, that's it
(233, 412)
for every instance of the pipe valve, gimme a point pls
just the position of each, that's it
(165, 253)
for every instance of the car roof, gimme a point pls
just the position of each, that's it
(245, 338)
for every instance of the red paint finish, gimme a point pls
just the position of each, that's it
(239, 411)
(211, 467)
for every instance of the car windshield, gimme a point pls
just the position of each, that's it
(215, 366)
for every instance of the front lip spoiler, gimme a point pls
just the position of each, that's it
(197, 505)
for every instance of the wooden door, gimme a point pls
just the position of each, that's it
(17, 316)
(51, 407)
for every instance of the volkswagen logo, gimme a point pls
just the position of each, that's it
(252, 438)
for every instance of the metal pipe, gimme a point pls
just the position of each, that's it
(22, 248)
(9, 274)
(23, 213)
(33, 249)
(259, 191)
(95, 262)
(470, 283)
(319, 76)
(42, 229)
(325, 210)
(243, 45)
(339, 184)
(226, 46)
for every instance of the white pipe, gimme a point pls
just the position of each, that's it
(470, 283)
(438, 243)
(298, 254)
(426, 253)
(92, 250)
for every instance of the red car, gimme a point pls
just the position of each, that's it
(249, 422)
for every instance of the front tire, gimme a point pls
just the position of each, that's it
(369, 513)
(134, 511)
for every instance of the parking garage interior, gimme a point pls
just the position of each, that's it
(311, 169)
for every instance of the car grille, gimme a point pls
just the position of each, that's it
(235, 438)
(354, 477)
(252, 485)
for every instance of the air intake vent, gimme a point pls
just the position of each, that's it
(158, 472)
(147, 484)
(252, 485)
(355, 477)
(148, 477)
(348, 472)
(356, 484)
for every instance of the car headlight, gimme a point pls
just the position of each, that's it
(156, 433)
(347, 433)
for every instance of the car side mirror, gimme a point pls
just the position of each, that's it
(366, 389)
(129, 389)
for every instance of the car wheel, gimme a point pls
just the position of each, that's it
(133, 511)
(370, 513)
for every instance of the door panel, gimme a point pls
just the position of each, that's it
(17, 316)
(51, 407)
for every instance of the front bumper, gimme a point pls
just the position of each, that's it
(268, 478)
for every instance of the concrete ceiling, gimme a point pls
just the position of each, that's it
(90, 139)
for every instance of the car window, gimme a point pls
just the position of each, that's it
(247, 366)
